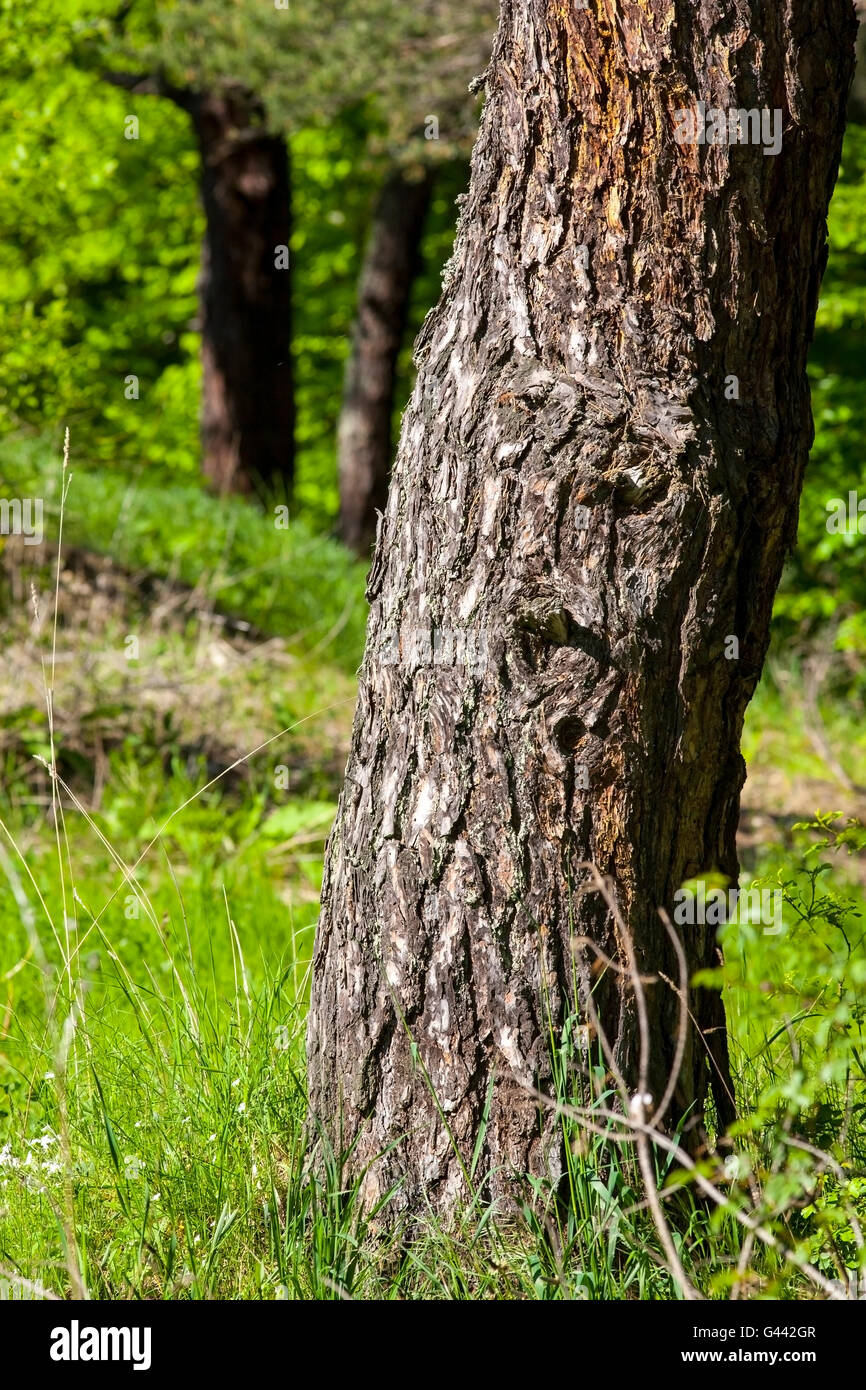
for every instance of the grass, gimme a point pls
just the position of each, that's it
(154, 962)
(284, 580)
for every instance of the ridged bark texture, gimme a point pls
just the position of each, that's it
(583, 510)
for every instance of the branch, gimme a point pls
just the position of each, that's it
(153, 84)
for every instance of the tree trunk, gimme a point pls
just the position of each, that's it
(585, 506)
(365, 433)
(857, 100)
(248, 410)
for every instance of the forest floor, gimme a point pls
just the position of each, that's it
(154, 952)
(203, 688)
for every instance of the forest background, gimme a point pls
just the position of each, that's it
(151, 1019)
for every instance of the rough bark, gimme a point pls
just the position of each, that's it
(552, 380)
(365, 430)
(248, 411)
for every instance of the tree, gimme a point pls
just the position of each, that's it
(364, 433)
(427, 95)
(260, 75)
(245, 297)
(596, 488)
(97, 260)
(857, 100)
(248, 397)
(247, 78)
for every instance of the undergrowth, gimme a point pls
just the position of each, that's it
(155, 939)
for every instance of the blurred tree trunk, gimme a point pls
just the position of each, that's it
(597, 485)
(857, 102)
(365, 429)
(248, 406)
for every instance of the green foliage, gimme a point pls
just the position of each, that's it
(98, 260)
(99, 252)
(803, 989)
(151, 1051)
(826, 578)
(250, 565)
(311, 60)
(175, 1106)
(795, 1005)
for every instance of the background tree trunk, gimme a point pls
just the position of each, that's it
(857, 101)
(365, 430)
(248, 409)
(583, 510)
